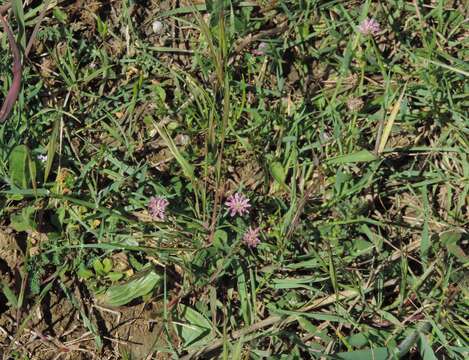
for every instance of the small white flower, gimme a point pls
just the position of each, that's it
(42, 158)
(158, 27)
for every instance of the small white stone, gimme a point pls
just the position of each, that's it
(158, 27)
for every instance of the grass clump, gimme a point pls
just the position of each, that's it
(236, 179)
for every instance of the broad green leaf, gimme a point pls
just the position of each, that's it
(84, 273)
(139, 285)
(450, 237)
(358, 340)
(24, 221)
(196, 330)
(220, 238)
(107, 265)
(356, 157)
(278, 172)
(19, 166)
(196, 318)
(98, 267)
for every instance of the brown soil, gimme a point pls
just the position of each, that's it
(57, 329)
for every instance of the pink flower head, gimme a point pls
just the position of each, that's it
(238, 204)
(369, 27)
(251, 237)
(157, 207)
(261, 49)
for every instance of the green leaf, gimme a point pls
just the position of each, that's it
(220, 238)
(426, 350)
(458, 252)
(243, 294)
(17, 7)
(187, 168)
(60, 15)
(197, 329)
(98, 267)
(10, 295)
(450, 239)
(196, 318)
(215, 8)
(380, 353)
(425, 243)
(278, 173)
(160, 92)
(51, 148)
(107, 265)
(84, 273)
(32, 171)
(314, 315)
(19, 166)
(307, 325)
(390, 122)
(25, 220)
(237, 352)
(452, 68)
(102, 27)
(294, 283)
(358, 340)
(356, 157)
(114, 276)
(139, 285)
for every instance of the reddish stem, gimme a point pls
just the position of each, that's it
(12, 94)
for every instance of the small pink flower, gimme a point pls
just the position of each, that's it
(238, 204)
(261, 49)
(251, 237)
(157, 207)
(369, 27)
